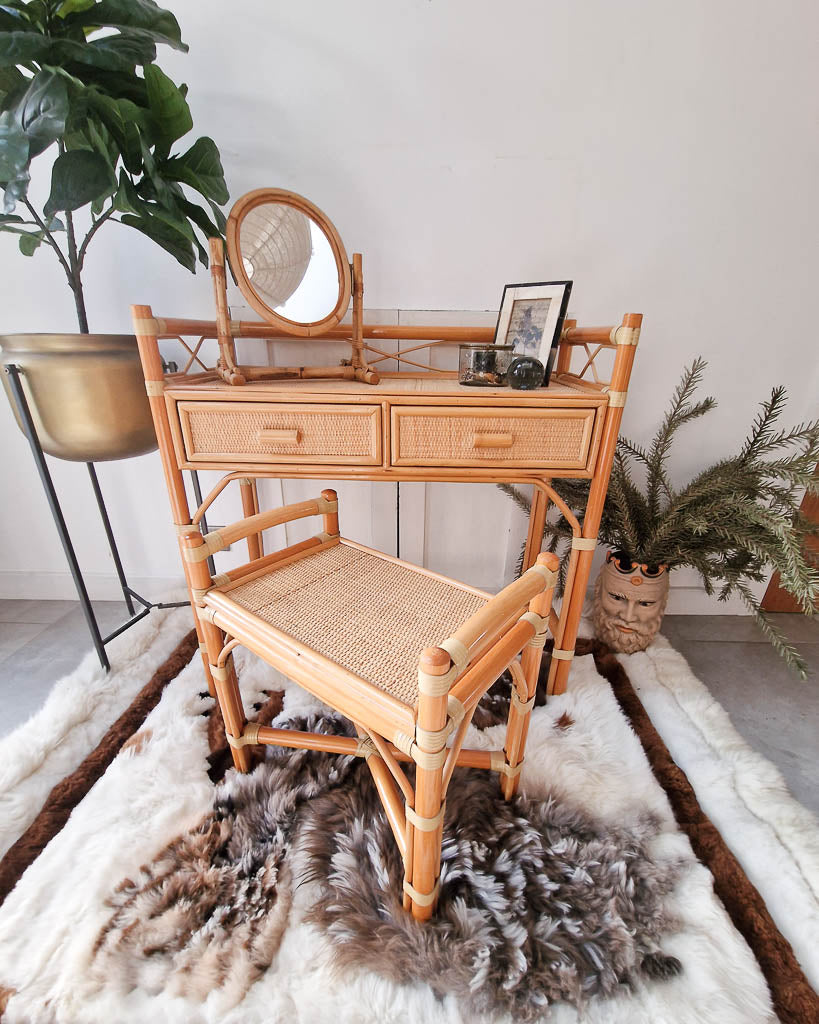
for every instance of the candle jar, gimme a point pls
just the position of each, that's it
(484, 365)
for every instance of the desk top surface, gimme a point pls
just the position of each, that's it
(422, 386)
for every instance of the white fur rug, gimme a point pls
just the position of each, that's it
(79, 709)
(775, 838)
(156, 788)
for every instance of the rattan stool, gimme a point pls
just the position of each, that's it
(404, 653)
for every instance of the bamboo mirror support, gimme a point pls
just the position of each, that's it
(291, 266)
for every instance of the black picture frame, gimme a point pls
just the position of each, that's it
(531, 318)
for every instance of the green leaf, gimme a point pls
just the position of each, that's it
(73, 6)
(30, 242)
(11, 20)
(132, 49)
(22, 47)
(43, 110)
(34, 12)
(166, 236)
(13, 83)
(10, 218)
(126, 199)
(15, 190)
(123, 119)
(152, 185)
(78, 177)
(218, 216)
(199, 218)
(201, 168)
(117, 84)
(98, 138)
(69, 52)
(145, 15)
(14, 147)
(170, 114)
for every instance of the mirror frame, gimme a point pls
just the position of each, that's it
(260, 197)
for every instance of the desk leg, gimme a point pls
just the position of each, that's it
(250, 507)
(575, 595)
(537, 521)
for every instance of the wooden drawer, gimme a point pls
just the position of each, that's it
(482, 436)
(280, 433)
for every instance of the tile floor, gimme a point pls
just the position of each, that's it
(778, 714)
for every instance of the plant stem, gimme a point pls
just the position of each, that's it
(94, 228)
(76, 286)
(50, 239)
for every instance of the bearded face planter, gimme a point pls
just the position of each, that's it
(629, 603)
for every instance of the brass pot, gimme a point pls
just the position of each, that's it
(86, 393)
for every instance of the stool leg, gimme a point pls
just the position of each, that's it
(227, 693)
(426, 852)
(517, 728)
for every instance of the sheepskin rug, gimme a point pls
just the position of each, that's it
(65, 956)
(773, 836)
(539, 902)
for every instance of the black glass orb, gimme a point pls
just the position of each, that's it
(525, 373)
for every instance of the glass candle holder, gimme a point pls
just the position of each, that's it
(525, 373)
(484, 366)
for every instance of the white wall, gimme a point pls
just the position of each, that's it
(664, 156)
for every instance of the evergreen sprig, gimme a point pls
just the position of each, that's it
(734, 523)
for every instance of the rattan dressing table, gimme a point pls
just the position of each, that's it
(410, 426)
(353, 625)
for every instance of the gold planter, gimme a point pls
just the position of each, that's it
(86, 393)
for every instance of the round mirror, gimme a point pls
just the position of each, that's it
(289, 261)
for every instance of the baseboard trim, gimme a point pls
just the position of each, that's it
(59, 586)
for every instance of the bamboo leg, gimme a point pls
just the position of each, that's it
(426, 858)
(621, 374)
(227, 693)
(517, 728)
(225, 683)
(537, 522)
(330, 519)
(154, 377)
(250, 507)
(559, 669)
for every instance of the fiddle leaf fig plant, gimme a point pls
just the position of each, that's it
(78, 83)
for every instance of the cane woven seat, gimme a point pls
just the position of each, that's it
(370, 614)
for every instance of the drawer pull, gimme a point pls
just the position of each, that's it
(279, 436)
(493, 440)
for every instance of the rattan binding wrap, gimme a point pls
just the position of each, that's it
(369, 614)
(425, 437)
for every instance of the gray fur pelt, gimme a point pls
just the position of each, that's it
(538, 902)
(211, 909)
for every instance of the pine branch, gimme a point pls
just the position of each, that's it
(733, 523)
(679, 413)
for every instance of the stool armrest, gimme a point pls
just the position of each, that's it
(218, 540)
(498, 609)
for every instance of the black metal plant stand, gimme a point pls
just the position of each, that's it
(128, 593)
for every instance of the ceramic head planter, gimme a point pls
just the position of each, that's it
(629, 602)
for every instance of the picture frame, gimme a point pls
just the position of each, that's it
(531, 318)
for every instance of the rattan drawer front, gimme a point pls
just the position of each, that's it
(482, 436)
(281, 433)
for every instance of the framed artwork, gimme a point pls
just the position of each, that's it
(531, 319)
